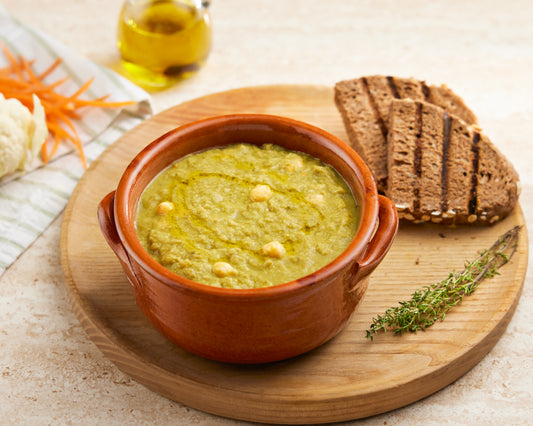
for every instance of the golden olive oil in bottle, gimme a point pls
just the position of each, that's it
(163, 41)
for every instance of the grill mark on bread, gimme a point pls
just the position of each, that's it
(373, 105)
(472, 203)
(446, 131)
(392, 86)
(364, 104)
(417, 162)
(426, 91)
(442, 170)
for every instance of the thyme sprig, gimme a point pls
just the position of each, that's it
(433, 302)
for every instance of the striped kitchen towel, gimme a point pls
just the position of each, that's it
(30, 201)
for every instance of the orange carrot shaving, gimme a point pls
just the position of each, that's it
(50, 69)
(15, 66)
(18, 80)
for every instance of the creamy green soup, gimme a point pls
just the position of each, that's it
(244, 216)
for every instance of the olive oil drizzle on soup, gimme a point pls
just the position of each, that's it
(244, 216)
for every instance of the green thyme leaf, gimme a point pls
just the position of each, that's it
(431, 303)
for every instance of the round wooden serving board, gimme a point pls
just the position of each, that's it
(348, 378)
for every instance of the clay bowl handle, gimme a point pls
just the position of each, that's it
(106, 220)
(382, 240)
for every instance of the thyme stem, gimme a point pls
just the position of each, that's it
(432, 302)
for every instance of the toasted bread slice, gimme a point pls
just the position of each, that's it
(442, 170)
(364, 104)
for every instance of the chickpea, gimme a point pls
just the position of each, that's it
(164, 208)
(223, 269)
(316, 199)
(260, 193)
(274, 249)
(294, 164)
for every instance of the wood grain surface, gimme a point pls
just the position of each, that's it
(350, 377)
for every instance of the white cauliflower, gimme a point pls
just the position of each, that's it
(21, 133)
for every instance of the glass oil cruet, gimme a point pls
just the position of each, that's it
(163, 41)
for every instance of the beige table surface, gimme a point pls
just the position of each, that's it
(51, 373)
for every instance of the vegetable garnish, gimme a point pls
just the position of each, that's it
(431, 303)
(18, 80)
(21, 133)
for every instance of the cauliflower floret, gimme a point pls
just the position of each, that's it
(41, 130)
(21, 133)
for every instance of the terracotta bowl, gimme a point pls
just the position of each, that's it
(249, 325)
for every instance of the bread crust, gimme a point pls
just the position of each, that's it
(364, 104)
(442, 170)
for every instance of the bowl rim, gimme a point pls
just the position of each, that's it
(135, 250)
